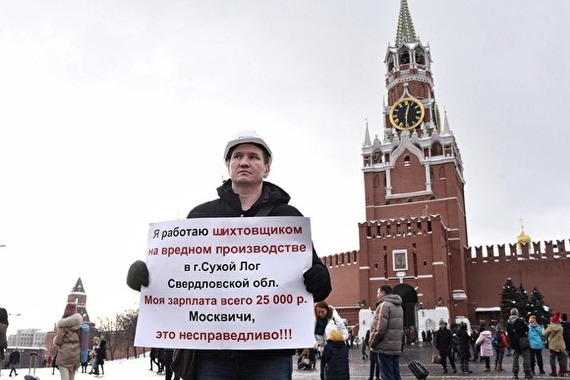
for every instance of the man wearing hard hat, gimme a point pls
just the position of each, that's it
(246, 194)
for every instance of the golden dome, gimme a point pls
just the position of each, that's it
(523, 238)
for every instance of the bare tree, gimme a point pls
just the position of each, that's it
(119, 332)
(128, 322)
(108, 328)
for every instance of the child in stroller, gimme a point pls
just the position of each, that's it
(307, 359)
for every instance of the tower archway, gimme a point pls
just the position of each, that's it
(409, 303)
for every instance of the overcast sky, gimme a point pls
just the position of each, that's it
(115, 114)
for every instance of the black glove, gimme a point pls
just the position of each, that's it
(318, 282)
(138, 275)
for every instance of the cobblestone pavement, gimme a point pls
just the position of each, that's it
(359, 369)
(138, 369)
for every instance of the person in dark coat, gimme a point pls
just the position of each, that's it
(365, 345)
(101, 356)
(3, 329)
(565, 331)
(464, 347)
(167, 355)
(246, 194)
(475, 349)
(13, 361)
(335, 355)
(444, 345)
(374, 373)
(153, 359)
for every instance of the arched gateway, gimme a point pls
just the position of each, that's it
(409, 303)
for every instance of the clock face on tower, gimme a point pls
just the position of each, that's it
(407, 113)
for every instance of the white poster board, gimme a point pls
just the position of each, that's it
(227, 283)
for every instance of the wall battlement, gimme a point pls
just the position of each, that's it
(546, 250)
(344, 258)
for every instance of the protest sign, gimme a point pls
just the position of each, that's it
(227, 283)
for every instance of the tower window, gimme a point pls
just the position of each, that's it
(442, 173)
(420, 57)
(404, 57)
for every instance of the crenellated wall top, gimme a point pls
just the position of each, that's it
(545, 250)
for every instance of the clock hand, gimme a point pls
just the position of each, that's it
(406, 116)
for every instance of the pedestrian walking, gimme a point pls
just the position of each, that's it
(13, 362)
(484, 342)
(444, 346)
(67, 341)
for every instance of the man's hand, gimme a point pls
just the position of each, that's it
(318, 282)
(138, 275)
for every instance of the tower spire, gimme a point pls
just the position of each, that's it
(367, 141)
(406, 32)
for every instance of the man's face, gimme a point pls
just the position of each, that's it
(247, 165)
(380, 294)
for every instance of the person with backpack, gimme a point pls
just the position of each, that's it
(500, 344)
(67, 341)
(517, 332)
(536, 345)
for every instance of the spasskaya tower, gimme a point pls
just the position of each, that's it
(415, 228)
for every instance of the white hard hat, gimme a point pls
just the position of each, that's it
(247, 137)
